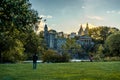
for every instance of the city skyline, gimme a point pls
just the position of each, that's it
(68, 15)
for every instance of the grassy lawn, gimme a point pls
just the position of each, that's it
(61, 71)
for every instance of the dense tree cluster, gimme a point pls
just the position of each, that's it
(16, 30)
(113, 44)
(103, 37)
(100, 33)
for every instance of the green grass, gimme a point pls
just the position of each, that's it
(61, 71)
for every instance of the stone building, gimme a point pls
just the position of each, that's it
(52, 39)
(85, 41)
(55, 40)
(72, 35)
(83, 36)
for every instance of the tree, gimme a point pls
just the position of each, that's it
(99, 55)
(16, 22)
(17, 13)
(53, 56)
(71, 47)
(113, 44)
(99, 34)
(11, 47)
(14, 52)
(34, 44)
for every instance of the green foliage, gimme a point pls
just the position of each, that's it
(65, 57)
(16, 23)
(14, 52)
(61, 71)
(33, 44)
(11, 47)
(113, 44)
(71, 47)
(17, 13)
(99, 53)
(52, 56)
(112, 58)
(99, 34)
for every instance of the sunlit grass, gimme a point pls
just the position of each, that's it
(61, 71)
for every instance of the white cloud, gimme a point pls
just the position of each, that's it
(95, 17)
(118, 12)
(108, 12)
(42, 16)
(83, 7)
(54, 25)
(46, 16)
(41, 27)
(111, 12)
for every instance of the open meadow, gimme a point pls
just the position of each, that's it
(61, 71)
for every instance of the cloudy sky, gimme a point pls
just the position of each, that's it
(67, 15)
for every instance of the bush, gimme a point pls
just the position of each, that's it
(52, 56)
(112, 59)
(98, 57)
(15, 52)
(112, 43)
(65, 57)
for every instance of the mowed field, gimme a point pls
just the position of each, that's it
(61, 71)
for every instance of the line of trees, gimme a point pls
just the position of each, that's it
(106, 46)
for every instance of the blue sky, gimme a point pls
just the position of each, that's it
(67, 15)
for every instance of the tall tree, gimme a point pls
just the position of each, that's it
(72, 48)
(33, 45)
(99, 34)
(16, 22)
(113, 44)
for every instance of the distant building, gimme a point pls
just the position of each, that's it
(60, 42)
(52, 40)
(84, 39)
(55, 40)
(46, 35)
(60, 34)
(72, 35)
(86, 30)
(66, 35)
(80, 32)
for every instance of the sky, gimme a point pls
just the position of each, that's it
(68, 15)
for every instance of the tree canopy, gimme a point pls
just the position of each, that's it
(99, 34)
(72, 48)
(16, 25)
(113, 44)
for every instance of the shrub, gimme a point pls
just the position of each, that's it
(112, 58)
(52, 56)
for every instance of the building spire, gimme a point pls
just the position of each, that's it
(86, 29)
(80, 32)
